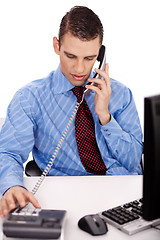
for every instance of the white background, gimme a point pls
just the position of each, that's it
(131, 35)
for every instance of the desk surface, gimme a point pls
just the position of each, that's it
(87, 195)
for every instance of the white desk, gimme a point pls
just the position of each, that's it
(87, 195)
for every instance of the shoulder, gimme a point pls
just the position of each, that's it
(39, 85)
(116, 85)
(36, 89)
(32, 95)
(121, 95)
(119, 88)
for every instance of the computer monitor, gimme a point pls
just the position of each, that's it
(151, 179)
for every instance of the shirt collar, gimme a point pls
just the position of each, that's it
(61, 83)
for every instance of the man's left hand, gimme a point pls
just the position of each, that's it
(103, 93)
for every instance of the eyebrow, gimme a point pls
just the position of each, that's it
(67, 53)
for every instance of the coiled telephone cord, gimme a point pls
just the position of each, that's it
(58, 147)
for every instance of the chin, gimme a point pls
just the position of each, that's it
(77, 83)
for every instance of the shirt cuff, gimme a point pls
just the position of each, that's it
(11, 183)
(112, 128)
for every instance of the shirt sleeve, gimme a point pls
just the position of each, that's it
(16, 141)
(123, 135)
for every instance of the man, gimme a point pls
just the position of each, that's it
(39, 112)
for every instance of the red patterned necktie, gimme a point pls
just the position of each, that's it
(85, 135)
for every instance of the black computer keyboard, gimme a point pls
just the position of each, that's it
(128, 217)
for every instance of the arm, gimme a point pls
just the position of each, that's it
(121, 129)
(16, 142)
(123, 135)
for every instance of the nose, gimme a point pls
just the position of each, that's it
(79, 67)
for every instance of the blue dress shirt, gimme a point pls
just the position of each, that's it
(37, 116)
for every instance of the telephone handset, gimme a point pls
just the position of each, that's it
(102, 59)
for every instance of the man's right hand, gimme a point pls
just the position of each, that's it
(16, 195)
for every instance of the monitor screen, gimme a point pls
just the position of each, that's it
(151, 178)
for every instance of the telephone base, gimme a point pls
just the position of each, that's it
(34, 224)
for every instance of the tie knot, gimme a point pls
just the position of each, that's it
(78, 92)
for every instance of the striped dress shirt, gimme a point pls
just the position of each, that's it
(37, 117)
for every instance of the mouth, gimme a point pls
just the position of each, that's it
(78, 77)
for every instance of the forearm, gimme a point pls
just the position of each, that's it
(11, 173)
(124, 146)
(16, 142)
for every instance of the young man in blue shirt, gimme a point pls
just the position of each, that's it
(39, 112)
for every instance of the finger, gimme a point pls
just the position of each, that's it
(93, 88)
(25, 197)
(107, 68)
(4, 209)
(11, 202)
(98, 83)
(107, 79)
(21, 199)
(95, 80)
(7, 203)
(100, 72)
(33, 200)
(104, 74)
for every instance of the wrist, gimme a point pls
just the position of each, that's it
(105, 118)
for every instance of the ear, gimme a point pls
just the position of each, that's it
(56, 45)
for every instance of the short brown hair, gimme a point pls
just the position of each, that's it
(81, 22)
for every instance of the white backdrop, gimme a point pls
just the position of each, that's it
(132, 39)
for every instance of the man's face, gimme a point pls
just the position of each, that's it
(77, 57)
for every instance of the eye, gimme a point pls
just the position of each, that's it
(70, 56)
(89, 58)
